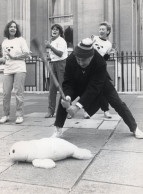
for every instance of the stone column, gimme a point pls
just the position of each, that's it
(19, 11)
(87, 16)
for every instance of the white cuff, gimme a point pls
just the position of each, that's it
(79, 105)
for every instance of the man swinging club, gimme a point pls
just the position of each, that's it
(86, 76)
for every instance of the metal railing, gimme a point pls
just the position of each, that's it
(36, 75)
(126, 70)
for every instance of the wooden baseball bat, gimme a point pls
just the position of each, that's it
(38, 46)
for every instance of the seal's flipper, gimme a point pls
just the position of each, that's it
(82, 154)
(43, 163)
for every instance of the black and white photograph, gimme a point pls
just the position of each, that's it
(71, 96)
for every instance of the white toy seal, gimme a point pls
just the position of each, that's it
(43, 152)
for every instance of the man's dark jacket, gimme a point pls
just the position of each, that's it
(88, 83)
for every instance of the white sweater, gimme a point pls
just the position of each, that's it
(102, 46)
(16, 47)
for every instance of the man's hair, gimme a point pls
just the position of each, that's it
(60, 29)
(107, 25)
(6, 30)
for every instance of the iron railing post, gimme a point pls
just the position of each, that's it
(122, 70)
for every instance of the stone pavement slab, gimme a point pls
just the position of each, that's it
(108, 125)
(5, 145)
(96, 121)
(91, 139)
(36, 115)
(65, 175)
(124, 142)
(117, 167)
(138, 117)
(3, 168)
(4, 134)
(82, 137)
(82, 123)
(29, 103)
(138, 103)
(115, 117)
(6, 130)
(8, 187)
(136, 111)
(10, 128)
(30, 121)
(31, 132)
(92, 187)
(122, 128)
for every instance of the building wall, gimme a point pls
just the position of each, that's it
(31, 15)
(38, 21)
(3, 18)
(18, 11)
(126, 25)
(125, 17)
(141, 25)
(87, 16)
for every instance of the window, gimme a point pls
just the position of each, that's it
(61, 12)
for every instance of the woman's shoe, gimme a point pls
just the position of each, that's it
(19, 120)
(49, 115)
(4, 119)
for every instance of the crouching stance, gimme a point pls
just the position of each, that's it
(86, 76)
(43, 152)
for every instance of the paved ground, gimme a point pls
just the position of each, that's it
(117, 166)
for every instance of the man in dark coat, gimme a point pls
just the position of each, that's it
(86, 77)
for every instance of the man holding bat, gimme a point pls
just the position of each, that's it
(86, 76)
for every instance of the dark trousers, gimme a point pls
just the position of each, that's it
(113, 99)
(104, 104)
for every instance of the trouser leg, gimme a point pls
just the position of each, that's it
(7, 88)
(122, 109)
(60, 68)
(19, 81)
(104, 104)
(52, 92)
(60, 115)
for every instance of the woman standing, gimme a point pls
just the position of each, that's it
(15, 51)
(104, 48)
(58, 54)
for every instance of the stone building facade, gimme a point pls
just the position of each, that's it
(79, 18)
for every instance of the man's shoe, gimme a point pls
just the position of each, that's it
(107, 115)
(86, 115)
(19, 120)
(138, 133)
(49, 115)
(58, 132)
(4, 119)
